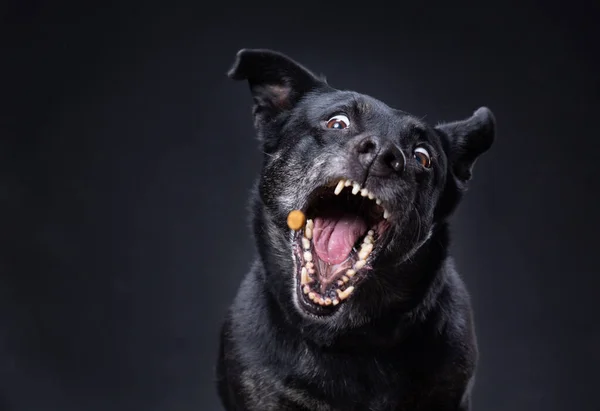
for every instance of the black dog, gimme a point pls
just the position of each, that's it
(362, 309)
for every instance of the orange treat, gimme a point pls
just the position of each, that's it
(296, 220)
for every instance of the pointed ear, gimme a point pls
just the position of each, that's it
(466, 140)
(276, 81)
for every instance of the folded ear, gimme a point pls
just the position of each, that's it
(276, 81)
(466, 141)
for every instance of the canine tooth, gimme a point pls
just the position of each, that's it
(307, 256)
(365, 251)
(306, 289)
(364, 192)
(305, 243)
(347, 183)
(335, 301)
(386, 214)
(344, 294)
(371, 196)
(377, 201)
(304, 278)
(359, 264)
(339, 187)
(345, 279)
(355, 188)
(350, 272)
(311, 295)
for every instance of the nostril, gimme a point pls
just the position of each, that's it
(367, 145)
(394, 159)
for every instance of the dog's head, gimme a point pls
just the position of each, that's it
(373, 182)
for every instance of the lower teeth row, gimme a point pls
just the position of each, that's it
(309, 268)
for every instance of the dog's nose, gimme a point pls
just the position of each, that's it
(382, 157)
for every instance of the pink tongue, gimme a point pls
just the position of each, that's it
(334, 237)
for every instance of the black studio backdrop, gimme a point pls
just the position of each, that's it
(126, 158)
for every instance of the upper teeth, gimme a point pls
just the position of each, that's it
(364, 192)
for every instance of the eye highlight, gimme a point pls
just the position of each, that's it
(338, 122)
(423, 157)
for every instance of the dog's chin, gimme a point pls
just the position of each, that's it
(346, 231)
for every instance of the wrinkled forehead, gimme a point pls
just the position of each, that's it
(318, 106)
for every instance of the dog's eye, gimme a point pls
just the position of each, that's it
(338, 122)
(422, 156)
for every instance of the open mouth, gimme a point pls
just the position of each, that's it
(345, 230)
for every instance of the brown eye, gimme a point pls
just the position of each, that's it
(422, 156)
(338, 122)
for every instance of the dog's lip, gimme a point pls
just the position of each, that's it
(325, 301)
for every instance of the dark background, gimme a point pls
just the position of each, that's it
(126, 158)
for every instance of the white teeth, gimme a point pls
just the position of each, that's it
(371, 233)
(368, 240)
(356, 188)
(350, 272)
(344, 294)
(308, 230)
(312, 295)
(306, 289)
(386, 214)
(365, 251)
(306, 243)
(345, 279)
(359, 264)
(310, 223)
(335, 301)
(307, 256)
(328, 301)
(339, 187)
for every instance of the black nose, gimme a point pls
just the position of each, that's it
(383, 157)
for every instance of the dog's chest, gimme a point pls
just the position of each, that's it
(265, 391)
(315, 387)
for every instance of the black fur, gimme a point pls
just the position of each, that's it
(404, 340)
